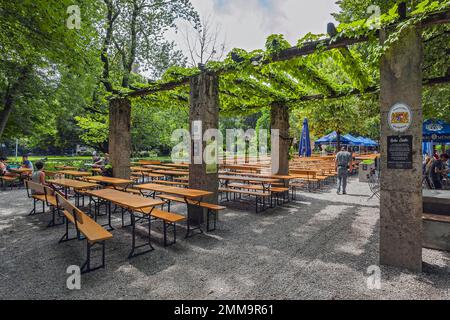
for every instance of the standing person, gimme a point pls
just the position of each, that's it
(343, 163)
(437, 169)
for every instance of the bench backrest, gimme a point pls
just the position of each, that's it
(34, 187)
(64, 204)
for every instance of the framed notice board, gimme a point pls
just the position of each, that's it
(399, 152)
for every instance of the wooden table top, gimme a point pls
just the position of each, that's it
(109, 180)
(66, 167)
(260, 175)
(158, 167)
(124, 199)
(184, 192)
(75, 184)
(241, 167)
(172, 172)
(147, 162)
(21, 170)
(247, 178)
(141, 169)
(177, 165)
(75, 173)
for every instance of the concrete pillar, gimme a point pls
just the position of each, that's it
(120, 137)
(280, 141)
(401, 189)
(204, 101)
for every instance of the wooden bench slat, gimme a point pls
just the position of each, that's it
(89, 228)
(201, 204)
(163, 215)
(436, 217)
(250, 193)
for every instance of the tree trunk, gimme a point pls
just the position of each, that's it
(120, 136)
(338, 141)
(7, 109)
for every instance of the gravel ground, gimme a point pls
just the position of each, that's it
(318, 247)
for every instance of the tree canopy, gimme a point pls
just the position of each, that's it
(56, 81)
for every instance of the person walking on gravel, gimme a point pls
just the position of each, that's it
(343, 164)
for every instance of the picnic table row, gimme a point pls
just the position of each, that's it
(141, 208)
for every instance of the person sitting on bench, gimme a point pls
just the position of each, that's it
(26, 163)
(39, 175)
(4, 167)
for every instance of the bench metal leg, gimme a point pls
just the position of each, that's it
(214, 214)
(190, 231)
(166, 243)
(86, 267)
(33, 212)
(52, 222)
(133, 240)
(65, 236)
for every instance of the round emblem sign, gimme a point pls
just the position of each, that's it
(400, 117)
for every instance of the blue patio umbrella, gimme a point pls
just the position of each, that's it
(332, 139)
(366, 142)
(304, 149)
(436, 131)
(353, 140)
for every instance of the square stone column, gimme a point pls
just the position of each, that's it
(280, 140)
(401, 189)
(204, 109)
(120, 137)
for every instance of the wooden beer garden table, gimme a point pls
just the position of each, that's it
(111, 181)
(172, 173)
(264, 181)
(129, 203)
(65, 167)
(21, 170)
(141, 169)
(96, 171)
(186, 193)
(192, 197)
(177, 165)
(158, 167)
(75, 174)
(76, 185)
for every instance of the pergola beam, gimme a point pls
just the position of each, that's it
(294, 52)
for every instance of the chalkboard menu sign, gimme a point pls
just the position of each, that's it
(399, 152)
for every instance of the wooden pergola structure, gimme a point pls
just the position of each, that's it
(401, 81)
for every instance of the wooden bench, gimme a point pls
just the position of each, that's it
(212, 209)
(274, 191)
(44, 194)
(436, 231)
(260, 196)
(309, 176)
(168, 218)
(84, 225)
(129, 190)
(171, 183)
(10, 180)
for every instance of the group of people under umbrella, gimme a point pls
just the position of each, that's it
(435, 132)
(305, 149)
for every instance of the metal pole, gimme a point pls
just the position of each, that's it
(17, 148)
